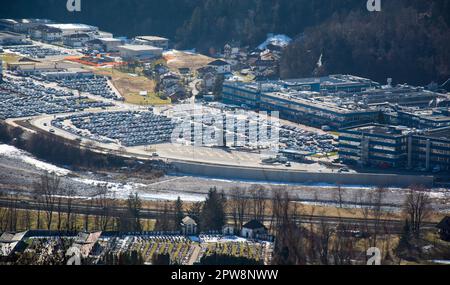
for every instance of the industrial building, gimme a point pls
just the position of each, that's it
(430, 118)
(139, 52)
(305, 100)
(111, 44)
(76, 40)
(10, 38)
(389, 146)
(68, 29)
(46, 33)
(22, 25)
(155, 41)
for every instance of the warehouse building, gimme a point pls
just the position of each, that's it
(154, 41)
(139, 52)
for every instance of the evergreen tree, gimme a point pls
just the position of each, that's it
(213, 211)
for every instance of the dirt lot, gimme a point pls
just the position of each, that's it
(179, 59)
(130, 86)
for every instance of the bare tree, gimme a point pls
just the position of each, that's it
(417, 208)
(47, 190)
(70, 193)
(239, 205)
(106, 204)
(259, 197)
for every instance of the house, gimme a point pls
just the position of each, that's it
(252, 229)
(444, 228)
(76, 40)
(188, 226)
(228, 230)
(220, 66)
(11, 243)
(208, 75)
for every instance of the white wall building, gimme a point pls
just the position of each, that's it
(220, 66)
(138, 52)
(111, 44)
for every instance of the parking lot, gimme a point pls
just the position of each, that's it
(128, 128)
(36, 51)
(24, 98)
(97, 85)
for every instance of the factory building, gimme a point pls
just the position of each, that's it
(139, 52)
(431, 150)
(22, 25)
(111, 44)
(154, 41)
(302, 101)
(375, 145)
(9, 38)
(46, 33)
(76, 40)
(402, 95)
(388, 146)
(419, 118)
(68, 29)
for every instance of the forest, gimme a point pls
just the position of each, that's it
(407, 40)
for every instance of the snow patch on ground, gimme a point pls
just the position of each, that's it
(15, 153)
(276, 40)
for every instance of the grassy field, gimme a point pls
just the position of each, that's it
(9, 57)
(130, 86)
(29, 220)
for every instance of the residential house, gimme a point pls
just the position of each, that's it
(252, 229)
(188, 226)
(220, 66)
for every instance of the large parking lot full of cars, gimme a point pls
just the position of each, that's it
(97, 85)
(128, 128)
(36, 51)
(24, 98)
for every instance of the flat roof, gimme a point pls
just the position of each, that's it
(111, 40)
(319, 102)
(140, 48)
(72, 26)
(382, 130)
(151, 38)
(443, 133)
